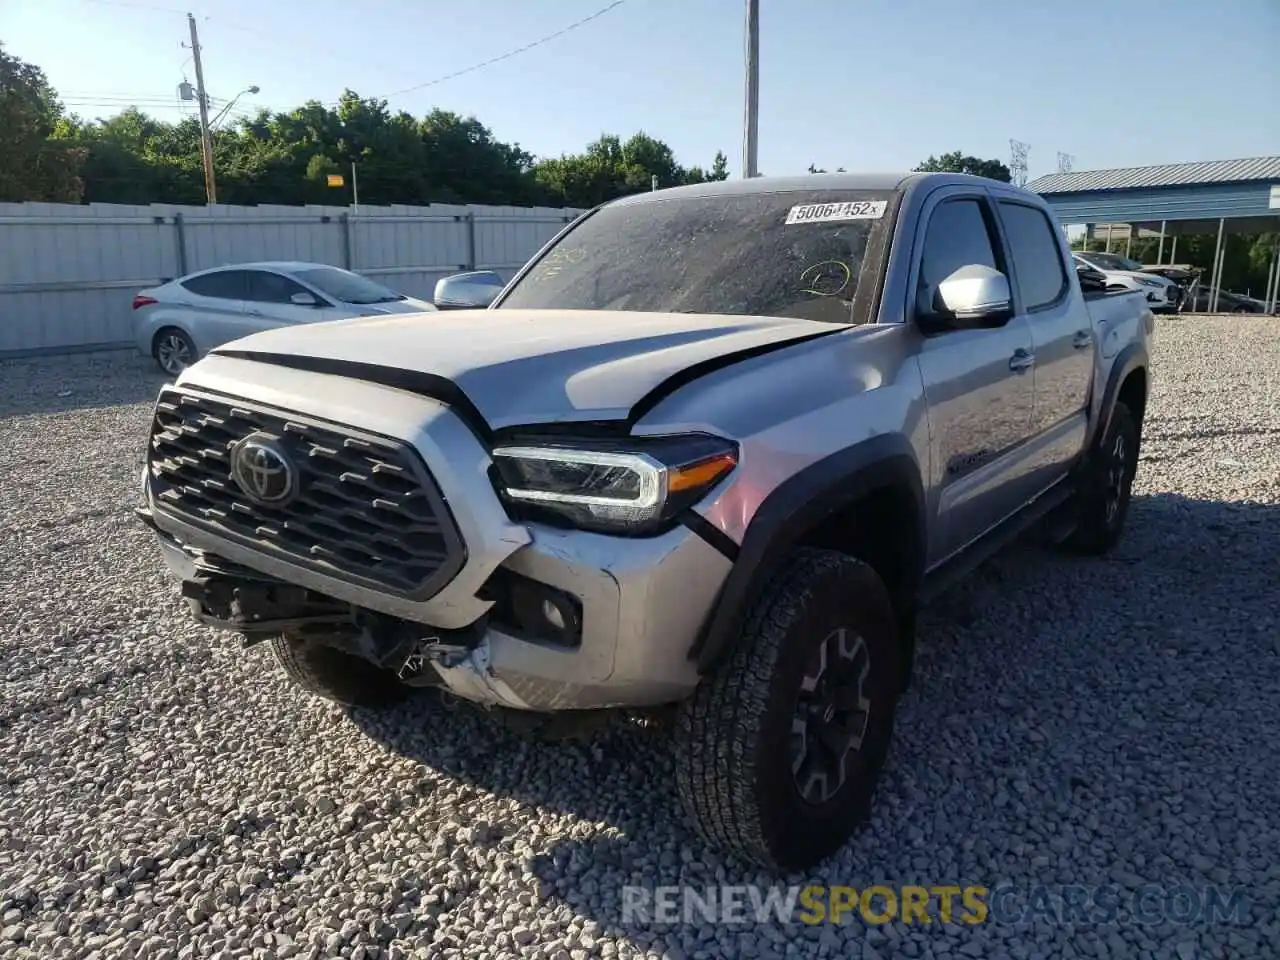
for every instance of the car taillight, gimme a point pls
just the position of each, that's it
(143, 301)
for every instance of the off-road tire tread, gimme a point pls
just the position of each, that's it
(341, 677)
(1092, 536)
(720, 724)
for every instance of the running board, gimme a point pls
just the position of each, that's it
(951, 571)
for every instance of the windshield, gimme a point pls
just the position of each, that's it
(347, 287)
(766, 254)
(1112, 261)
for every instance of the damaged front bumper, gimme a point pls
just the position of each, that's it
(635, 606)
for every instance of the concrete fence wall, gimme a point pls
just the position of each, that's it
(68, 273)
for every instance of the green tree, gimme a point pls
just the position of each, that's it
(956, 162)
(610, 168)
(286, 157)
(719, 167)
(34, 165)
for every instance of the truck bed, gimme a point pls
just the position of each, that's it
(1111, 309)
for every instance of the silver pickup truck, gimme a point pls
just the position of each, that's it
(702, 458)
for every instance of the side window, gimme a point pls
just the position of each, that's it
(221, 285)
(956, 237)
(265, 287)
(1037, 258)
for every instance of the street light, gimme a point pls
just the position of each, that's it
(223, 112)
(206, 135)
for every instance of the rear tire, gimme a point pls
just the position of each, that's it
(334, 675)
(1102, 503)
(779, 751)
(173, 350)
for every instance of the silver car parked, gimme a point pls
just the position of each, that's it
(181, 320)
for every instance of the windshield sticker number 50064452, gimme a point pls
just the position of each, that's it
(825, 212)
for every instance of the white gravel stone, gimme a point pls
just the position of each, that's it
(164, 793)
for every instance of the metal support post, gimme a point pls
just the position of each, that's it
(1216, 280)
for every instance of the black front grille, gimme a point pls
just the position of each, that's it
(366, 509)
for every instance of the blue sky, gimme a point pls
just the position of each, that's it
(864, 84)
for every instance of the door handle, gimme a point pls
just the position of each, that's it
(1082, 339)
(1022, 360)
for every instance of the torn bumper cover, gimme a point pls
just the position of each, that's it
(622, 650)
(231, 597)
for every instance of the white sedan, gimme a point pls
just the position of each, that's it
(1161, 293)
(180, 321)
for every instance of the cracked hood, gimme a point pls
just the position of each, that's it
(529, 366)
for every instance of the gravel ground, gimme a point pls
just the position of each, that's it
(1074, 722)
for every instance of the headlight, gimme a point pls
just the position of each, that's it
(628, 486)
(1148, 282)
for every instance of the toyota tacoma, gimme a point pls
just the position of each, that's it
(703, 456)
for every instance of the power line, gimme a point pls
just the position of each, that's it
(155, 8)
(256, 32)
(503, 56)
(122, 106)
(127, 97)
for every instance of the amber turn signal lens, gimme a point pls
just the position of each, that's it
(700, 474)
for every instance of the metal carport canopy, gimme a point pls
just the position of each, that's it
(1217, 196)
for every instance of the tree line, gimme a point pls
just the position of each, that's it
(286, 157)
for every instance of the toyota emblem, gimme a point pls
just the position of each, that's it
(262, 469)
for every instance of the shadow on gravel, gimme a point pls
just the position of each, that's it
(59, 384)
(979, 677)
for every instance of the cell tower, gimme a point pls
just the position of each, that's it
(1018, 162)
(1065, 160)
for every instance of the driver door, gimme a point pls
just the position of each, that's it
(978, 382)
(269, 305)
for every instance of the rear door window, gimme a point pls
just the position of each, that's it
(1037, 258)
(220, 285)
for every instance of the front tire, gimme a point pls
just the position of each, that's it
(780, 750)
(334, 675)
(1102, 504)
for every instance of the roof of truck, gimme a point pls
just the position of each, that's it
(805, 182)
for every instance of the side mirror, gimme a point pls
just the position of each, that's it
(467, 291)
(302, 299)
(972, 297)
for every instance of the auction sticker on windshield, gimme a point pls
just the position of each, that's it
(826, 212)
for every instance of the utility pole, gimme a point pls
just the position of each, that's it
(206, 145)
(355, 190)
(750, 137)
